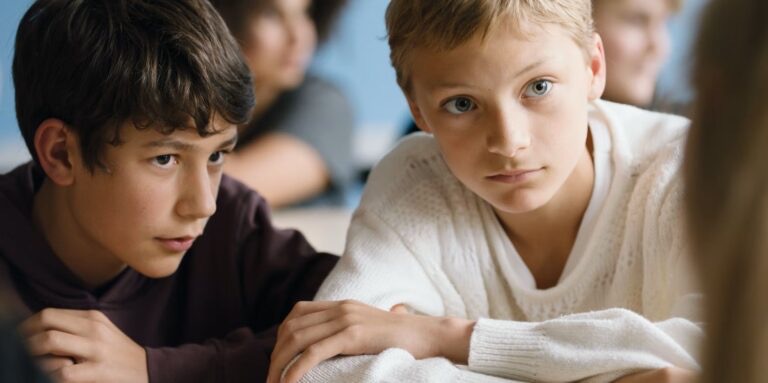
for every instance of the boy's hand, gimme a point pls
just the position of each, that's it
(663, 375)
(316, 331)
(80, 346)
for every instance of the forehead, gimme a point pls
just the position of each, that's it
(132, 136)
(499, 57)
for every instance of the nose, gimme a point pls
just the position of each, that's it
(508, 132)
(658, 40)
(197, 194)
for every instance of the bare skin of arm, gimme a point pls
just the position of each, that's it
(664, 375)
(282, 168)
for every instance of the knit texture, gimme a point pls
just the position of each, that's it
(422, 239)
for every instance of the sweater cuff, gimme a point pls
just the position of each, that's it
(506, 348)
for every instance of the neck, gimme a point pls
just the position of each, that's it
(81, 255)
(544, 237)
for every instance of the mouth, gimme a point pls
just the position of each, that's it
(514, 176)
(177, 244)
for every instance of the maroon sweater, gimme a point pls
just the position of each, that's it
(213, 320)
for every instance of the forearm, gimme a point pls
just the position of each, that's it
(581, 346)
(242, 356)
(283, 169)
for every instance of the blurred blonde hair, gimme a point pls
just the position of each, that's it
(674, 5)
(446, 24)
(727, 186)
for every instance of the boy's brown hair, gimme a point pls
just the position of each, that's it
(96, 64)
(446, 24)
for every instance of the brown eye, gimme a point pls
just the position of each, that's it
(216, 158)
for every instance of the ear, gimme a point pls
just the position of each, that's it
(597, 68)
(418, 118)
(56, 147)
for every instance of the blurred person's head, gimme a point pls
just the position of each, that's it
(727, 187)
(636, 42)
(278, 37)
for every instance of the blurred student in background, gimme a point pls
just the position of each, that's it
(298, 143)
(636, 41)
(727, 187)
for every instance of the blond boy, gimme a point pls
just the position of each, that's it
(534, 235)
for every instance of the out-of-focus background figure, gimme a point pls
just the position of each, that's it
(298, 143)
(727, 188)
(636, 38)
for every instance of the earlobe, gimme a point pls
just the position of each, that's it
(417, 116)
(597, 69)
(55, 144)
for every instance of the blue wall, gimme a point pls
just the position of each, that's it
(11, 145)
(357, 59)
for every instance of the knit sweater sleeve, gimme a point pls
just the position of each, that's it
(601, 345)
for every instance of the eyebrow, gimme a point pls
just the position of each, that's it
(519, 73)
(185, 146)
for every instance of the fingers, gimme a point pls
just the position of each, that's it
(292, 344)
(307, 307)
(76, 373)
(290, 326)
(311, 357)
(399, 309)
(50, 363)
(59, 343)
(78, 322)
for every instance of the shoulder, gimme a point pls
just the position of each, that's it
(412, 175)
(239, 210)
(318, 91)
(638, 135)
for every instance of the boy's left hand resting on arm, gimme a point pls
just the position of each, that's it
(98, 350)
(322, 330)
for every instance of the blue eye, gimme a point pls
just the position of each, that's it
(459, 105)
(538, 88)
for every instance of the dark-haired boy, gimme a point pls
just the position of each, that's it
(133, 257)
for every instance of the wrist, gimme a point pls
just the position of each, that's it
(454, 338)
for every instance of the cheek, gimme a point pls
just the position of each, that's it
(624, 46)
(266, 44)
(460, 151)
(308, 37)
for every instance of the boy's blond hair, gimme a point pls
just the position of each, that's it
(673, 5)
(446, 24)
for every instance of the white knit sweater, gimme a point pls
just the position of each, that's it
(421, 238)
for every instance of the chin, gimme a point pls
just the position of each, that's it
(292, 80)
(519, 203)
(159, 269)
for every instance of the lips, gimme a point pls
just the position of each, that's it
(177, 245)
(514, 176)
